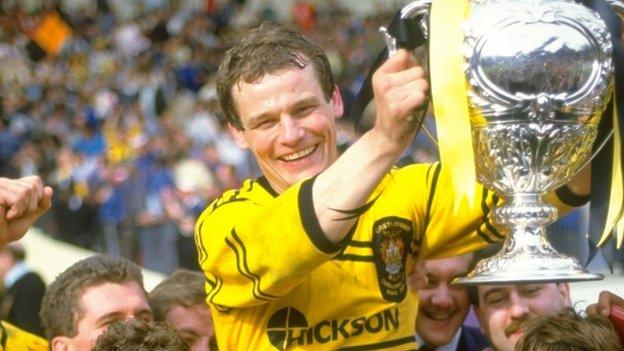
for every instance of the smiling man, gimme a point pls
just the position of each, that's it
(89, 296)
(315, 254)
(443, 308)
(502, 309)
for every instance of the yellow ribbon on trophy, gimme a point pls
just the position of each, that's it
(615, 219)
(449, 93)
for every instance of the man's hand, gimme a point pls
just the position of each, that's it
(401, 90)
(606, 299)
(22, 202)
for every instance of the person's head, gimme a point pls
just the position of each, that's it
(279, 97)
(138, 335)
(180, 301)
(90, 295)
(501, 309)
(443, 307)
(10, 255)
(568, 331)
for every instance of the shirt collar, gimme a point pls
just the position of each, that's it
(451, 346)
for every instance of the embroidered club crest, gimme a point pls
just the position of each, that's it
(391, 240)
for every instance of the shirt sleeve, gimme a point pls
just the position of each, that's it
(254, 251)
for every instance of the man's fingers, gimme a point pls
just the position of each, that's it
(603, 307)
(21, 195)
(46, 202)
(402, 60)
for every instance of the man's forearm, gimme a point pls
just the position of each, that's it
(349, 182)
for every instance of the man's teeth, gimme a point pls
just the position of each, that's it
(440, 316)
(299, 154)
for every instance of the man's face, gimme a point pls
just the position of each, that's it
(443, 307)
(193, 324)
(502, 309)
(102, 305)
(288, 125)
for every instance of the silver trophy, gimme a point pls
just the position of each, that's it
(539, 74)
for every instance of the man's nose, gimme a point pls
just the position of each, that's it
(519, 307)
(442, 296)
(291, 131)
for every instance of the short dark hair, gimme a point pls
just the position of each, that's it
(60, 308)
(568, 331)
(139, 335)
(183, 288)
(267, 49)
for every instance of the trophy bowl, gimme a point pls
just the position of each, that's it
(539, 74)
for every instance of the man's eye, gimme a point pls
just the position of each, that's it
(304, 110)
(107, 322)
(495, 300)
(531, 291)
(265, 124)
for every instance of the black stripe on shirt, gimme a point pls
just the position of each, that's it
(356, 243)
(215, 290)
(356, 258)
(570, 198)
(485, 237)
(380, 345)
(243, 267)
(212, 283)
(310, 222)
(199, 243)
(265, 184)
(486, 211)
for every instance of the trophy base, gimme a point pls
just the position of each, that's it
(505, 270)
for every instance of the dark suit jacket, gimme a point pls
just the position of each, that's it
(471, 339)
(22, 301)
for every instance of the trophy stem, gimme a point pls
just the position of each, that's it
(526, 256)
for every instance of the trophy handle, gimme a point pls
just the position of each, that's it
(415, 8)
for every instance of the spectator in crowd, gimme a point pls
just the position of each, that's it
(502, 309)
(22, 202)
(139, 335)
(567, 330)
(443, 308)
(180, 301)
(130, 72)
(90, 295)
(23, 290)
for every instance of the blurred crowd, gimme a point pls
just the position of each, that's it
(123, 120)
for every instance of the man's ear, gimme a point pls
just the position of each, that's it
(239, 136)
(336, 102)
(60, 343)
(564, 290)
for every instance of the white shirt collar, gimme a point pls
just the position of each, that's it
(451, 346)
